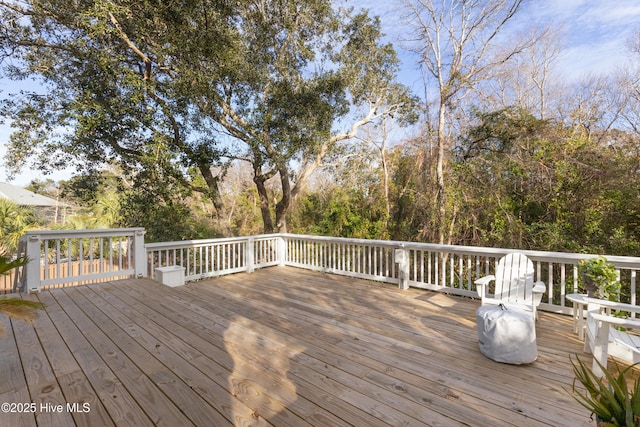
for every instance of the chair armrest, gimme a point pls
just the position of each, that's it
(614, 305)
(485, 280)
(481, 283)
(620, 321)
(539, 288)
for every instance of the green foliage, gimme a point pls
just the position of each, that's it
(610, 399)
(186, 86)
(530, 183)
(171, 92)
(165, 211)
(602, 275)
(7, 264)
(340, 213)
(14, 222)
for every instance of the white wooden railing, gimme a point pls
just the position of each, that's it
(69, 257)
(451, 269)
(215, 257)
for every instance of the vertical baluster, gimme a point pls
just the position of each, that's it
(129, 250)
(452, 270)
(189, 270)
(110, 262)
(68, 242)
(633, 287)
(90, 256)
(45, 251)
(334, 256)
(550, 287)
(563, 287)
(46, 259)
(80, 256)
(101, 266)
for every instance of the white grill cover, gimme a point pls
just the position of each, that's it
(507, 334)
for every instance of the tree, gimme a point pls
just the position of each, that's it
(328, 66)
(533, 184)
(529, 80)
(455, 41)
(117, 81)
(14, 222)
(182, 88)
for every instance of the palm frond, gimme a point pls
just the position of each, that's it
(7, 265)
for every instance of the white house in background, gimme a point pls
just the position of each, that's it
(48, 207)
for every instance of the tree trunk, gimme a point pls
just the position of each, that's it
(441, 199)
(213, 194)
(282, 207)
(259, 180)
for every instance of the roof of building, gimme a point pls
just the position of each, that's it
(23, 197)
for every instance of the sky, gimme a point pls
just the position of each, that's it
(596, 31)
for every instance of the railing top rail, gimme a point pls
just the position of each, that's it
(96, 232)
(620, 261)
(545, 256)
(204, 242)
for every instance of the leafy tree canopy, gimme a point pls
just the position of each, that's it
(183, 87)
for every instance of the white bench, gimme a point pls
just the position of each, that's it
(602, 337)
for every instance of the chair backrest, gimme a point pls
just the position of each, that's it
(514, 279)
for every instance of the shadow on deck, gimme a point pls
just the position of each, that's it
(280, 346)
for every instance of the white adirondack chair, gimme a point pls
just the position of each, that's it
(514, 284)
(603, 339)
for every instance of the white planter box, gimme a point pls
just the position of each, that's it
(171, 276)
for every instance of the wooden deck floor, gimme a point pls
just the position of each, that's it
(282, 347)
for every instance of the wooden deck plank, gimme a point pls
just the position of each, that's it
(120, 405)
(199, 328)
(323, 361)
(13, 384)
(445, 392)
(483, 391)
(106, 340)
(154, 351)
(282, 347)
(16, 415)
(11, 372)
(44, 387)
(241, 331)
(75, 386)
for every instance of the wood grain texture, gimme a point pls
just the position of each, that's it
(280, 347)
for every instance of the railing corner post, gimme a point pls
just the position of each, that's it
(139, 254)
(250, 251)
(401, 256)
(32, 269)
(281, 250)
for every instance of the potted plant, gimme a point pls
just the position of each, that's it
(16, 307)
(609, 398)
(599, 278)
